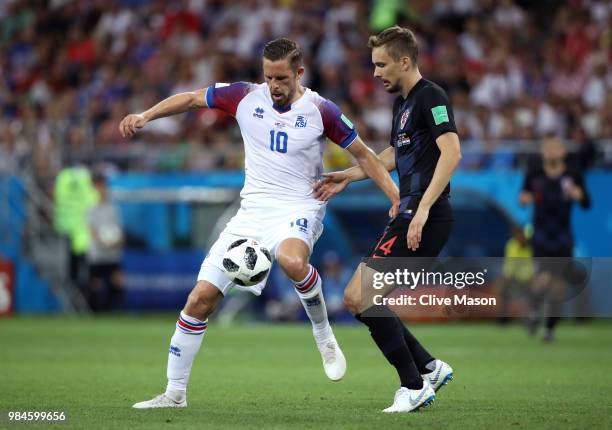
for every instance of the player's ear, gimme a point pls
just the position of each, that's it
(406, 63)
(300, 72)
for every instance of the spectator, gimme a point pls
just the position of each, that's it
(104, 252)
(524, 69)
(74, 196)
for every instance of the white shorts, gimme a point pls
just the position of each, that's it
(269, 224)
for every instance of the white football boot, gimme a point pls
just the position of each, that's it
(170, 400)
(334, 362)
(407, 400)
(441, 375)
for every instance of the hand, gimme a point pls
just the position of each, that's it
(576, 193)
(571, 190)
(525, 198)
(130, 123)
(415, 229)
(394, 210)
(331, 184)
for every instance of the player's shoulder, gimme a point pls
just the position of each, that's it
(260, 87)
(429, 89)
(220, 94)
(313, 98)
(324, 106)
(242, 85)
(250, 88)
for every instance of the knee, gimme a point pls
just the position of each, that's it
(295, 267)
(352, 301)
(199, 305)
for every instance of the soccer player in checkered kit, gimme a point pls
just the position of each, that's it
(284, 126)
(425, 150)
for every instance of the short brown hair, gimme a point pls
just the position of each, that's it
(398, 41)
(283, 48)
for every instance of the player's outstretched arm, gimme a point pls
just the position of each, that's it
(335, 182)
(172, 105)
(386, 157)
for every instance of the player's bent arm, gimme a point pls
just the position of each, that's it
(373, 167)
(450, 155)
(387, 158)
(172, 105)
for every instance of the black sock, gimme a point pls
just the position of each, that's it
(386, 330)
(551, 322)
(419, 353)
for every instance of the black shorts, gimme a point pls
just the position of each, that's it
(393, 241)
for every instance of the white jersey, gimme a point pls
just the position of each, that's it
(283, 148)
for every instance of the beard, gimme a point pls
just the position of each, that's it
(283, 101)
(393, 88)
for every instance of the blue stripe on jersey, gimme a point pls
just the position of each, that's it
(209, 96)
(349, 139)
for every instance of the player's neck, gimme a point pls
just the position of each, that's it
(299, 92)
(554, 171)
(410, 81)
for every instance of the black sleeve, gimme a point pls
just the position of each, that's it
(436, 111)
(585, 203)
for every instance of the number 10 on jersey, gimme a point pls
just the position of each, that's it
(278, 141)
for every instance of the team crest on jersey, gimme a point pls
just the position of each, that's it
(300, 122)
(404, 118)
(258, 113)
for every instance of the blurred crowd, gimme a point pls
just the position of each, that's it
(71, 69)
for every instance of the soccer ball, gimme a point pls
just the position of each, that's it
(246, 262)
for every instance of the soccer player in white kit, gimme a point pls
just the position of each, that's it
(284, 127)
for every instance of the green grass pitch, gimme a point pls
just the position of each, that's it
(270, 376)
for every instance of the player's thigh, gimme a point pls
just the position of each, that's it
(303, 223)
(393, 241)
(433, 239)
(211, 270)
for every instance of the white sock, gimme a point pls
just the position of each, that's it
(184, 346)
(309, 290)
